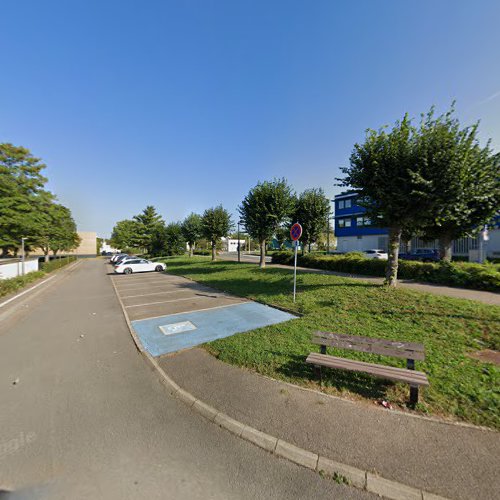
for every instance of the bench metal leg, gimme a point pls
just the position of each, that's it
(319, 373)
(413, 394)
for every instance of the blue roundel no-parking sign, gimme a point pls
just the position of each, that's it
(296, 231)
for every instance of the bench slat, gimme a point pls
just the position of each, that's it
(406, 350)
(387, 372)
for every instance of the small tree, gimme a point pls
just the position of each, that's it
(265, 208)
(462, 179)
(312, 212)
(191, 230)
(383, 170)
(216, 223)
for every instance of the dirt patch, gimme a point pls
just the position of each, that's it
(487, 356)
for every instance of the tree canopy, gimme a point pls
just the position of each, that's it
(461, 179)
(216, 223)
(29, 211)
(383, 170)
(147, 223)
(192, 230)
(312, 211)
(264, 209)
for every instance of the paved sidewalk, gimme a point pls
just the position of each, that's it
(454, 461)
(459, 293)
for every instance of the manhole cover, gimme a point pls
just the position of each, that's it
(183, 326)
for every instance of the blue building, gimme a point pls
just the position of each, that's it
(356, 232)
(353, 229)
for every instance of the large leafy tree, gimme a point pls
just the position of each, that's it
(147, 224)
(124, 234)
(265, 208)
(461, 179)
(384, 171)
(215, 224)
(55, 229)
(191, 230)
(21, 184)
(311, 212)
(65, 237)
(176, 244)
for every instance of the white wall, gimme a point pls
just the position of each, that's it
(13, 269)
(355, 244)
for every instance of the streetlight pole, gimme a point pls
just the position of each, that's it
(239, 258)
(328, 233)
(22, 255)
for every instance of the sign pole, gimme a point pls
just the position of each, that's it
(295, 270)
(295, 234)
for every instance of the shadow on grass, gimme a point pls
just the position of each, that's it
(357, 383)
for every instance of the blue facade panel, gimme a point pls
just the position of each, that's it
(341, 212)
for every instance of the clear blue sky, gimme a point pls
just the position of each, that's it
(187, 104)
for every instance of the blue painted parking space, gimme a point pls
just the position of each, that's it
(167, 334)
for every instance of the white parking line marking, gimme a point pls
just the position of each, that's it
(143, 287)
(175, 300)
(189, 312)
(133, 283)
(154, 293)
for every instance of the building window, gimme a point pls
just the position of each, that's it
(359, 221)
(340, 222)
(367, 221)
(347, 222)
(348, 203)
(341, 204)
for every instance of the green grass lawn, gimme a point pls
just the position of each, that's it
(450, 329)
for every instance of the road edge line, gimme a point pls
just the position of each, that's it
(344, 473)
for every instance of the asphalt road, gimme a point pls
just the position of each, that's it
(82, 416)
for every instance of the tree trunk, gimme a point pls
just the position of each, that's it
(214, 250)
(445, 247)
(191, 249)
(46, 255)
(391, 272)
(262, 254)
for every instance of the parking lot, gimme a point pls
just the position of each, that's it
(170, 313)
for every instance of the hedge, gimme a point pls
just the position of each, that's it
(52, 265)
(457, 274)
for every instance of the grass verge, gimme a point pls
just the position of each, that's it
(12, 285)
(451, 329)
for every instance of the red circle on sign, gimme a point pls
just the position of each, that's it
(296, 231)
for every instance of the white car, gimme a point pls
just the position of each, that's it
(130, 266)
(116, 256)
(375, 253)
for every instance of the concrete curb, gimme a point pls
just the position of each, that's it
(347, 474)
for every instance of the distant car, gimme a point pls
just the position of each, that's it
(116, 256)
(422, 254)
(130, 266)
(375, 253)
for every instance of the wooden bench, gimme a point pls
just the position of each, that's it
(408, 350)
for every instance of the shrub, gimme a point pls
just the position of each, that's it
(202, 252)
(458, 274)
(52, 265)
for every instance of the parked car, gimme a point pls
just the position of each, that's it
(123, 258)
(375, 253)
(130, 266)
(422, 254)
(116, 256)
